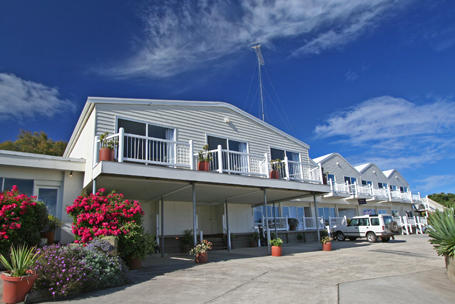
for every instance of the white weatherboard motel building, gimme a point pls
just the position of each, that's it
(156, 161)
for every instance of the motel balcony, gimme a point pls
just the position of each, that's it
(131, 148)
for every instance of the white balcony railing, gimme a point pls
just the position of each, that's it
(380, 193)
(180, 154)
(400, 196)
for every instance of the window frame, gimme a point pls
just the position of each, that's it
(147, 123)
(284, 150)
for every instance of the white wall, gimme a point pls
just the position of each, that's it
(341, 170)
(375, 175)
(72, 186)
(397, 180)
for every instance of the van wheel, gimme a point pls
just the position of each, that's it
(371, 237)
(340, 236)
(352, 238)
(385, 239)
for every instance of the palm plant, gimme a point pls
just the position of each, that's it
(22, 259)
(442, 232)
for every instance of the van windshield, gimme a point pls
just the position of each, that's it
(387, 219)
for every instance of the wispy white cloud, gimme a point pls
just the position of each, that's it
(21, 98)
(181, 35)
(436, 183)
(394, 132)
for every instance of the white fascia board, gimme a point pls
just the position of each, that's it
(157, 172)
(85, 114)
(31, 160)
(134, 101)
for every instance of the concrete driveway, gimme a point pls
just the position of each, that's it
(403, 271)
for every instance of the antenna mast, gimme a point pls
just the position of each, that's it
(257, 49)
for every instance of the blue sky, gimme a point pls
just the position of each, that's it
(372, 80)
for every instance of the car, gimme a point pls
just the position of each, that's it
(370, 226)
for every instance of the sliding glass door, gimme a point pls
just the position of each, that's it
(235, 158)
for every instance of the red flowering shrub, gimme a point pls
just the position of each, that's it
(21, 219)
(99, 214)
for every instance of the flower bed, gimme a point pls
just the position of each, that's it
(21, 219)
(99, 214)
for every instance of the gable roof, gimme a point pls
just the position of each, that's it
(388, 173)
(327, 157)
(363, 167)
(91, 101)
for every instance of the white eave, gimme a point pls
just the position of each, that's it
(91, 101)
(32, 160)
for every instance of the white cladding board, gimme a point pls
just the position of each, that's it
(340, 168)
(195, 122)
(375, 175)
(397, 180)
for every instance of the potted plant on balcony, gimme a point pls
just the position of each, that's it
(204, 159)
(52, 224)
(200, 251)
(276, 167)
(19, 277)
(106, 152)
(442, 235)
(276, 246)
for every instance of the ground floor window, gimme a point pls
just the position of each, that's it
(325, 213)
(25, 185)
(293, 212)
(369, 211)
(49, 197)
(347, 212)
(259, 212)
(383, 211)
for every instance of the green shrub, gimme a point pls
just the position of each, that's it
(135, 243)
(276, 242)
(442, 232)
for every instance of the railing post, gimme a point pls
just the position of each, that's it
(321, 177)
(121, 143)
(389, 193)
(220, 159)
(95, 150)
(331, 185)
(190, 142)
(286, 167)
(301, 171)
(266, 165)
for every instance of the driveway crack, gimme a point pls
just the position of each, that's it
(237, 287)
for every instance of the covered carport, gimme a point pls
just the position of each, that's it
(169, 184)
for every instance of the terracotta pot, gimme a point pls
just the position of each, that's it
(106, 154)
(276, 251)
(134, 263)
(203, 165)
(327, 246)
(15, 288)
(274, 174)
(50, 235)
(202, 258)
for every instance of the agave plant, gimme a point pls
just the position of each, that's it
(22, 259)
(442, 232)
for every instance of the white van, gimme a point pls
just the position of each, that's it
(370, 226)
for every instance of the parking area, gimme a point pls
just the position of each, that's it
(403, 271)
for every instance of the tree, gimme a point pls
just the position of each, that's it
(445, 199)
(36, 142)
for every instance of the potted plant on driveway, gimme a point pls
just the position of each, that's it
(204, 159)
(106, 152)
(276, 246)
(276, 166)
(326, 242)
(53, 224)
(135, 245)
(200, 251)
(442, 235)
(19, 277)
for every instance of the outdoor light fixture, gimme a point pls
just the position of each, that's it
(374, 171)
(71, 173)
(227, 120)
(338, 164)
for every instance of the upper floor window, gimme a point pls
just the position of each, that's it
(382, 185)
(226, 144)
(393, 187)
(403, 189)
(331, 177)
(279, 154)
(232, 162)
(146, 129)
(350, 180)
(365, 183)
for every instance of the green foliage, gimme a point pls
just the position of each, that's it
(276, 242)
(108, 143)
(442, 231)
(21, 260)
(104, 270)
(445, 199)
(136, 243)
(36, 142)
(325, 240)
(53, 223)
(204, 154)
(202, 247)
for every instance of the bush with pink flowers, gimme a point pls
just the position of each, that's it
(102, 214)
(21, 219)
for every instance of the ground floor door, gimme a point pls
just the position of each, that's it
(348, 212)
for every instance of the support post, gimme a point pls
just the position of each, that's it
(94, 186)
(162, 227)
(321, 174)
(220, 159)
(95, 150)
(316, 214)
(266, 165)
(228, 229)
(286, 167)
(121, 143)
(267, 221)
(274, 219)
(191, 156)
(193, 189)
